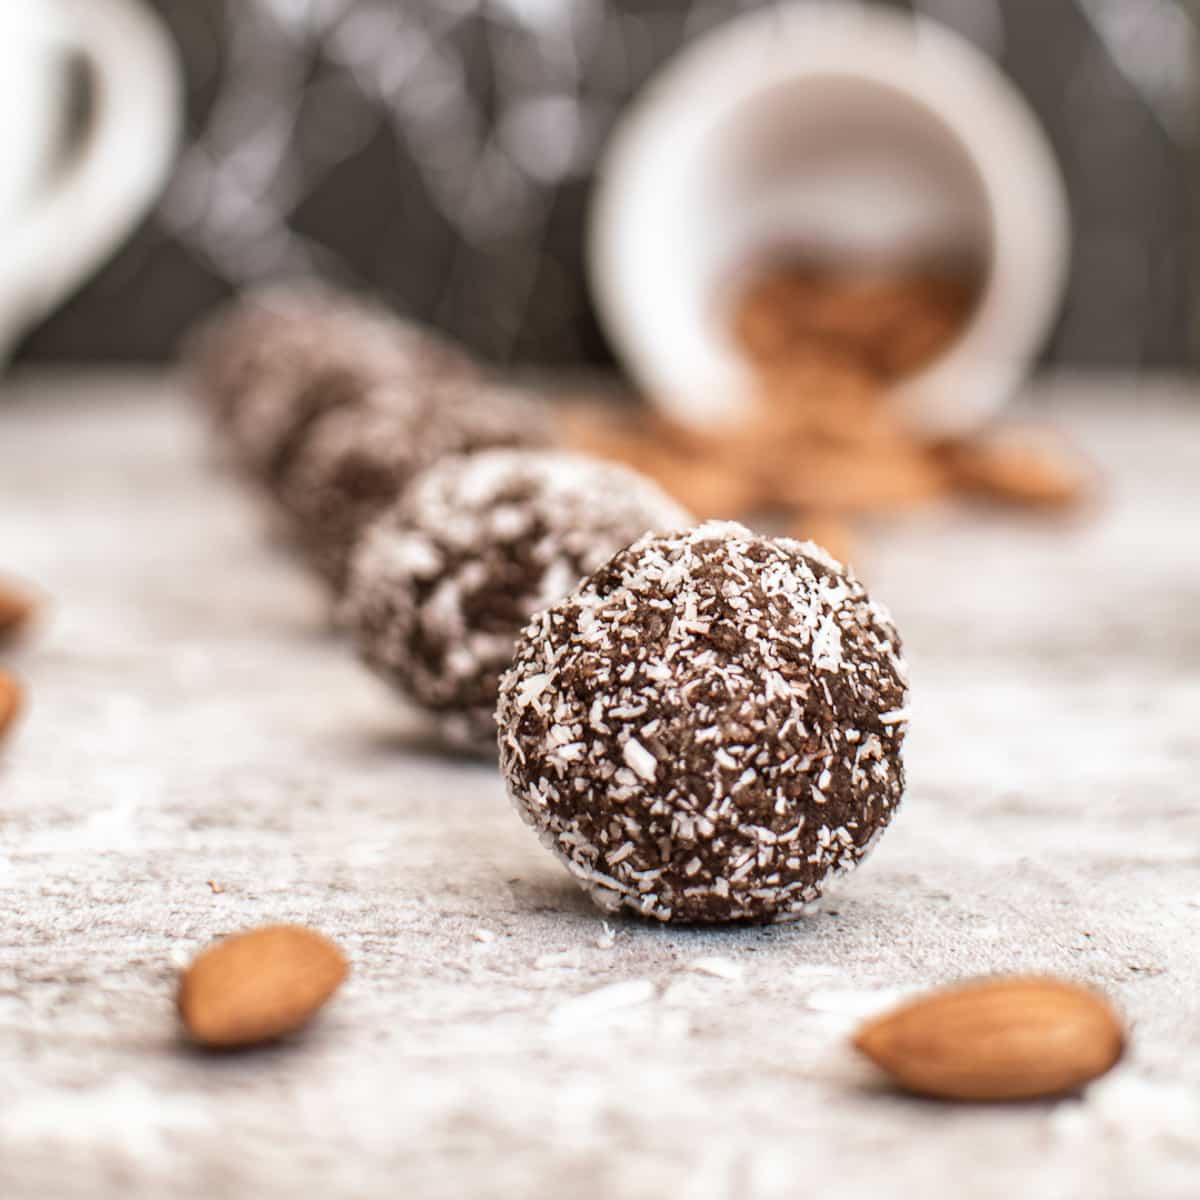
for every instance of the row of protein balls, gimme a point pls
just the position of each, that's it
(360, 424)
(702, 723)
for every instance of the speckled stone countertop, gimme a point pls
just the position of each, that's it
(201, 755)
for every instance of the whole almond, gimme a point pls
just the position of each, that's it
(11, 701)
(16, 611)
(258, 985)
(829, 530)
(1019, 467)
(1007, 1038)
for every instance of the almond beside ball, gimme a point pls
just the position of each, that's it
(258, 985)
(1007, 1038)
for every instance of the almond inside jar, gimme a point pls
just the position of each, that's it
(824, 446)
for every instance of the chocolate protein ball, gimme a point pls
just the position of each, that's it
(709, 727)
(355, 460)
(276, 361)
(231, 350)
(442, 583)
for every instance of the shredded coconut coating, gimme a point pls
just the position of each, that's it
(356, 460)
(442, 583)
(275, 362)
(709, 727)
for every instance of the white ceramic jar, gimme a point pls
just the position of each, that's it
(62, 214)
(866, 135)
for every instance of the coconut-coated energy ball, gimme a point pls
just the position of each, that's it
(355, 460)
(442, 583)
(234, 347)
(709, 727)
(276, 361)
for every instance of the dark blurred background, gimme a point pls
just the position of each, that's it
(439, 153)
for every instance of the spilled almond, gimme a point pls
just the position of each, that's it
(11, 701)
(1007, 1038)
(829, 530)
(16, 612)
(1019, 467)
(258, 985)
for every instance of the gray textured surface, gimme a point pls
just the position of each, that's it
(193, 721)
